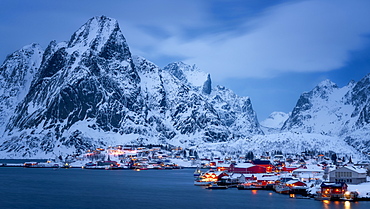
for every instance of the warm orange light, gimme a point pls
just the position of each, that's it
(326, 201)
(347, 204)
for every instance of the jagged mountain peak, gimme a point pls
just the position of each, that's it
(103, 35)
(327, 83)
(82, 75)
(183, 66)
(322, 90)
(207, 86)
(96, 27)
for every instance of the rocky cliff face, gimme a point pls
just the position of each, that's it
(16, 75)
(91, 92)
(234, 112)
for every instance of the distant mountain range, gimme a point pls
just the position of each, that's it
(91, 92)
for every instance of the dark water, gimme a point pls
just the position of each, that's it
(78, 188)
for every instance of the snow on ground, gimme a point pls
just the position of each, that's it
(363, 189)
(287, 142)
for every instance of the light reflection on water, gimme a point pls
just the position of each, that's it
(347, 205)
(343, 204)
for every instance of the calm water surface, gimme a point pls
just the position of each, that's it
(81, 188)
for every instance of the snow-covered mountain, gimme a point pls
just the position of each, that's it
(338, 112)
(234, 111)
(90, 92)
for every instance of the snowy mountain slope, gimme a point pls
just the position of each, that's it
(287, 142)
(274, 122)
(16, 75)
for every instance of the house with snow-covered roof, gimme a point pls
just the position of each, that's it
(348, 174)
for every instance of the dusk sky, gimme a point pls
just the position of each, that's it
(269, 50)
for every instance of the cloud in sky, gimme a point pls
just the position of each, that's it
(226, 39)
(307, 36)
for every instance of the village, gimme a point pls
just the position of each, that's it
(302, 175)
(303, 179)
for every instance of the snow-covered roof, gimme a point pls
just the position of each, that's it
(244, 165)
(268, 178)
(312, 170)
(236, 175)
(356, 169)
(309, 175)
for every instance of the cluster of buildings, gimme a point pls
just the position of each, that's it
(304, 178)
(126, 157)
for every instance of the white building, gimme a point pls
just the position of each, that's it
(348, 174)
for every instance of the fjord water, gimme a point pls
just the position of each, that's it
(82, 188)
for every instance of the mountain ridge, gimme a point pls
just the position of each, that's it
(91, 92)
(92, 84)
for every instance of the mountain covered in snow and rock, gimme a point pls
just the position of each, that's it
(91, 92)
(333, 111)
(327, 118)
